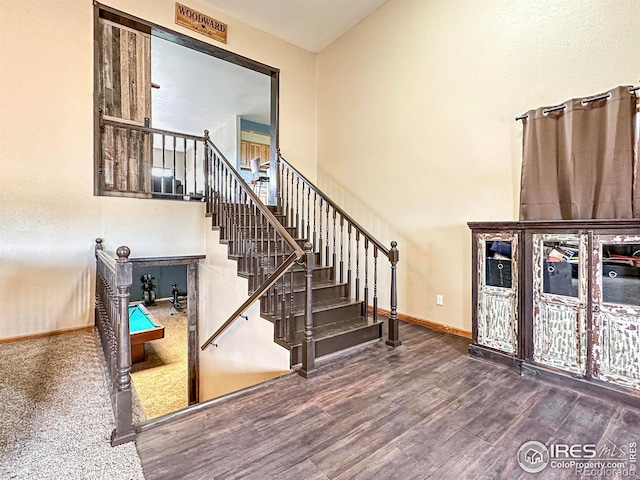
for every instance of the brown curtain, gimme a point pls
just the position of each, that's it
(578, 161)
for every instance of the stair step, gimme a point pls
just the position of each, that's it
(264, 245)
(335, 337)
(322, 291)
(324, 312)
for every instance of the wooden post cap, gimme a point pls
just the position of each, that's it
(123, 253)
(394, 253)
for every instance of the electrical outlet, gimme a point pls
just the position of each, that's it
(439, 300)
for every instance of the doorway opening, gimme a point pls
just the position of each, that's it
(156, 92)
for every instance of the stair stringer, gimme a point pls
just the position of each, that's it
(246, 353)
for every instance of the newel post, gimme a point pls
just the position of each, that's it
(98, 246)
(207, 173)
(393, 335)
(308, 368)
(122, 405)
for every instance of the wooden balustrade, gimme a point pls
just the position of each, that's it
(113, 280)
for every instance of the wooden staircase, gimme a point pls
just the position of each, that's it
(339, 321)
(311, 266)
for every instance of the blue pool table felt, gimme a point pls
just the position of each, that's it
(139, 320)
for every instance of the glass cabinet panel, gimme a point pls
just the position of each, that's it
(560, 268)
(498, 263)
(497, 291)
(621, 273)
(616, 310)
(559, 301)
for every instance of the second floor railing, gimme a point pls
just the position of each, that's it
(150, 162)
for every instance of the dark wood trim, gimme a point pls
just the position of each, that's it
(126, 124)
(32, 336)
(182, 39)
(128, 21)
(485, 353)
(274, 137)
(526, 296)
(193, 288)
(97, 153)
(164, 261)
(589, 306)
(595, 387)
(522, 274)
(567, 226)
(474, 289)
(425, 323)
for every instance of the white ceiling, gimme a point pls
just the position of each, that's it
(310, 24)
(198, 91)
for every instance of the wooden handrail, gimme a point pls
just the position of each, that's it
(130, 126)
(337, 208)
(281, 270)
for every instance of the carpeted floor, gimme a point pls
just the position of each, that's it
(55, 413)
(160, 382)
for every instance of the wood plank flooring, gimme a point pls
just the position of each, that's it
(424, 410)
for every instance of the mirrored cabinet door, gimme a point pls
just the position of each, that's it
(616, 309)
(497, 291)
(559, 301)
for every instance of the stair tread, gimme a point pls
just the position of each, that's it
(316, 285)
(264, 254)
(333, 329)
(327, 305)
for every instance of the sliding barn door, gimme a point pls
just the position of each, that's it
(124, 95)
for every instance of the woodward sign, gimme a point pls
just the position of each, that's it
(201, 23)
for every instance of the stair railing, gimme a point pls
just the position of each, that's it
(113, 279)
(340, 240)
(150, 162)
(265, 250)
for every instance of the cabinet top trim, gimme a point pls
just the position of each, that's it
(557, 224)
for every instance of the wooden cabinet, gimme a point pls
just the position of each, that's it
(250, 150)
(560, 300)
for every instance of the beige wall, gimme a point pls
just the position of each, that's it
(418, 103)
(246, 353)
(226, 139)
(48, 213)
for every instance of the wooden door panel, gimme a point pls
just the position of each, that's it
(497, 305)
(559, 320)
(616, 321)
(124, 93)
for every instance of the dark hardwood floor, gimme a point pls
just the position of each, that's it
(422, 410)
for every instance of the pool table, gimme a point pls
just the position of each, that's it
(143, 327)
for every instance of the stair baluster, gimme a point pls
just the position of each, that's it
(375, 283)
(358, 266)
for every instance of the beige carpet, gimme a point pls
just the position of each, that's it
(160, 382)
(55, 413)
